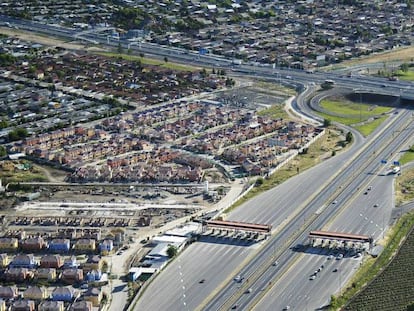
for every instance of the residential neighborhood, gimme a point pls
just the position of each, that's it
(301, 34)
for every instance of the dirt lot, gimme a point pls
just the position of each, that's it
(28, 36)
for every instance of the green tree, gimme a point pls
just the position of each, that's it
(3, 151)
(348, 137)
(326, 122)
(172, 251)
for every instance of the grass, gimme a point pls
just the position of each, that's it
(367, 128)
(407, 76)
(355, 109)
(151, 61)
(407, 157)
(325, 145)
(373, 268)
(274, 112)
(404, 186)
(364, 120)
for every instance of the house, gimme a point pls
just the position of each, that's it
(71, 276)
(70, 262)
(8, 292)
(94, 295)
(94, 262)
(4, 260)
(36, 293)
(59, 245)
(63, 294)
(17, 274)
(81, 306)
(33, 244)
(106, 247)
(23, 305)
(50, 305)
(51, 261)
(23, 261)
(9, 243)
(48, 274)
(85, 245)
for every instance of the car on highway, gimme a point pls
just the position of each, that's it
(334, 201)
(248, 291)
(275, 263)
(376, 205)
(238, 278)
(335, 270)
(330, 257)
(201, 281)
(312, 277)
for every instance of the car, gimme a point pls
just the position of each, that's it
(376, 205)
(275, 263)
(334, 202)
(312, 277)
(339, 257)
(238, 278)
(235, 307)
(201, 281)
(369, 188)
(249, 290)
(335, 270)
(322, 266)
(286, 308)
(366, 192)
(330, 257)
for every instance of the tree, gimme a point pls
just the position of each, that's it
(259, 182)
(166, 59)
(172, 251)
(3, 151)
(326, 122)
(348, 137)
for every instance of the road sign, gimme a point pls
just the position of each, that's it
(396, 163)
(384, 161)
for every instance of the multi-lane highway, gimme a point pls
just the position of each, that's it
(304, 202)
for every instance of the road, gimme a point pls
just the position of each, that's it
(283, 209)
(359, 217)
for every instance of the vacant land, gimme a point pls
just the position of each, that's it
(392, 289)
(404, 189)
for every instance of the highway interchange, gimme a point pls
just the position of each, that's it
(301, 204)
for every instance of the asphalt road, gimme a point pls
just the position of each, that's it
(358, 217)
(178, 287)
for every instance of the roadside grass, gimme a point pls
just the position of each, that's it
(371, 268)
(363, 120)
(347, 121)
(407, 157)
(352, 108)
(407, 76)
(151, 61)
(367, 128)
(323, 146)
(404, 186)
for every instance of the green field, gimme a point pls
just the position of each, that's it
(351, 109)
(352, 114)
(393, 288)
(407, 76)
(407, 157)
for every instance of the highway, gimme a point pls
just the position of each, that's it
(304, 202)
(367, 162)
